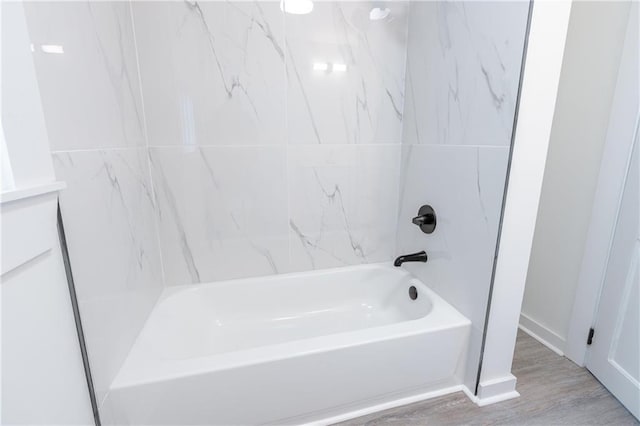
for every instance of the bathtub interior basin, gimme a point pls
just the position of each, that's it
(234, 315)
(376, 331)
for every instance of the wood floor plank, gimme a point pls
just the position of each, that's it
(553, 391)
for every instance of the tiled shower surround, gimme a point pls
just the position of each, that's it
(262, 164)
(200, 142)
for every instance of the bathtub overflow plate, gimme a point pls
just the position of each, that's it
(413, 292)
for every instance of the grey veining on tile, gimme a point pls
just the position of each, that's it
(232, 212)
(170, 208)
(222, 211)
(479, 187)
(463, 71)
(108, 211)
(468, 209)
(123, 76)
(553, 391)
(465, 186)
(343, 204)
(90, 90)
(219, 78)
(364, 101)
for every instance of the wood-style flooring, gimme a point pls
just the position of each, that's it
(553, 391)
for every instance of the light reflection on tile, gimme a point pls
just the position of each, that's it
(218, 77)
(359, 98)
(90, 93)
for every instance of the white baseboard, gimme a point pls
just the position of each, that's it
(493, 400)
(542, 334)
(387, 405)
(489, 392)
(494, 391)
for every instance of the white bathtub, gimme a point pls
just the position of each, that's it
(296, 348)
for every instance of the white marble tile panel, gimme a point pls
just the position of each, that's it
(108, 215)
(343, 204)
(222, 211)
(363, 103)
(213, 72)
(465, 187)
(85, 61)
(463, 69)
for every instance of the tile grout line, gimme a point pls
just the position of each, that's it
(288, 145)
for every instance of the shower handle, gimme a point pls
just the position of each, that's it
(426, 219)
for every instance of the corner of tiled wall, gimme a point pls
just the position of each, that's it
(91, 100)
(461, 90)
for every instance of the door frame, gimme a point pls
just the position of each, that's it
(615, 163)
(598, 246)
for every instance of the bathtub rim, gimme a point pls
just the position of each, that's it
(169, 290)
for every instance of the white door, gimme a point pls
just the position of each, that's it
(614, 354)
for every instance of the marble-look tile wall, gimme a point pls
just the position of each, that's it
(108, 210)
(343, 204)
(222, 211)
(463, 69)
(363, 103)
(263, 163)
(86, 65)
(212, 72)
(203, 141)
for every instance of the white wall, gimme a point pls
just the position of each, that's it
(589, 72)
(43, 379)
(541, 78)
